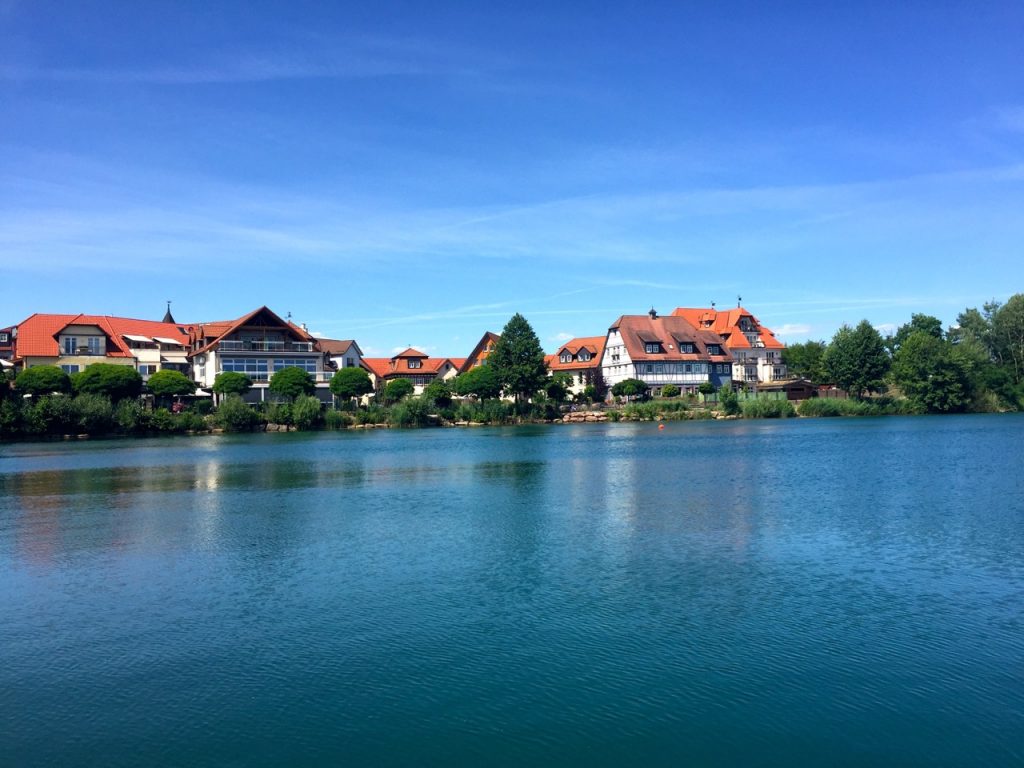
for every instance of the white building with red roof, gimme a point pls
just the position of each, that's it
(418, 367)
(580, 359)
(76, 341)
(665, 350)
(757, 353)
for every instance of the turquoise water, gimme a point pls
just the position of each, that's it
(812, 592)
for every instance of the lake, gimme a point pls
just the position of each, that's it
(804, 592)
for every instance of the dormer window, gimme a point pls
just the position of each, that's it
(415, 363)
(565, 357)
(687, 348)
(652, 348)
(714, 349)
(583, 356)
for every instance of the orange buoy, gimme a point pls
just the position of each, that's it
(661, 426)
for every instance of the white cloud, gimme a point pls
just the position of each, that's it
(886, 329)
(793, 329)
(318, 334)
(563, 336)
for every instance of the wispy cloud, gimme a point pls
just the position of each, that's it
(793, 329)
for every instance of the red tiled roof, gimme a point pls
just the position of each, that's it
(37, 334)
(480, 351)
(338, 346)
(727, 325)
(669, 331)
(218, 329)
(593, 344)
(398, 366)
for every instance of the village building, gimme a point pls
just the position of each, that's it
(664, 350)
(757, 353)
(580, 359)
(418, 367)
(342, 353)
(483, 348)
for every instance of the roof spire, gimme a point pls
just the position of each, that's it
(739, 300)
(653, 314)
(168, 317)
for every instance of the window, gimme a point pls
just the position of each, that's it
(147, 370)
(649, 368)
(688, 368)
(3, 337)
(69, 369)
(652, 348)
(415, 363)
(350, 362)
(686, 348)
(257, 370)
(308, 364)
(70, 345)
(714, 349)
(566, 357)
(94, 345)
(584, 356)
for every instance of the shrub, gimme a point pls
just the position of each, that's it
(234, 415)
(203, 407)
(375, 414)
(131, 417)
(670, 390)
(291, 382)
(307, 412)
(411, 412)
(729, 400)
(162, 420)
(351, 382)
(440, 392)
(42, 380)
(630, 388)
(54, 415)
(396, 389)
(118, 382)
(95, 414)
(338, 419)
(278, 413)
(11, 417)
(767, 409)
(169, 383)
(190, 421)
(231, 383)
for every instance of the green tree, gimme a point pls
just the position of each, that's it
(729, 400)
(231, 383)
(118, 382)
(558, 387)
(480, 381)
(856, 359)
(168, 383)
(396, 389)
(919, 323)
(349, 383)
(934, 374)
(233, 415)
(1008, 335)
(307, 412)
(42, 380)
(671, 390)
(291, 382)
(806, 360)
(439, 392)
(630, 388)
(518, 359)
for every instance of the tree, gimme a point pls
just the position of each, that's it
(729, 400)
(933, 374)
(440, 392)
(558, 387)
(518, 359)
(396, 389)
(480, 381)
(168, 383)
(670, 390)
(291, 382)
(919, 323)
(118, 382)
(856, 359)
(1008, 335)
(805, 360)
(351, 382)
(628, 388)
(42, 380)
(706, 388)
(231, 383)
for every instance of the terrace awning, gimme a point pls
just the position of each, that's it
(143, 339)
(165, 340)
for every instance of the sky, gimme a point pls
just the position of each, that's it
(415, 173)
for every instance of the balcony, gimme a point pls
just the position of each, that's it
(265, 346)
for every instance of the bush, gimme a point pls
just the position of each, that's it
(231, 383)
(879, 406)
(670, 390)
(486, 412)
(338, 420)
(375, 414)
(729, 400)
(203, 407)
(54, 415)
(95, 414)
(130, 416)
(307, 412)
(630, 388)
(11, 417)
(396, 389)
(767, 409)
(411, 412)
(162, 420)
(291, 382)
(190, 421)
(118, 382)
(170, 383)
(278, 413)
(42, 380)
(234, 415)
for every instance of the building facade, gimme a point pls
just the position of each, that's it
(418, 367)
(757, 353)
(664, 350)
(580, 359)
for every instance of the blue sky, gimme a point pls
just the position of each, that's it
(415, 173)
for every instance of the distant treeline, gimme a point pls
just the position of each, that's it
(975, 365)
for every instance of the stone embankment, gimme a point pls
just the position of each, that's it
(578, 416)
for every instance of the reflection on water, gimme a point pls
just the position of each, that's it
(599, 594)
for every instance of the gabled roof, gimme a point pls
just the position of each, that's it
(593, 344)
(218, 329)
(727, 324)
(639, 330)
(480, 351)
(398, 366)
(338, 347)
(410, 352)
(37, 334)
